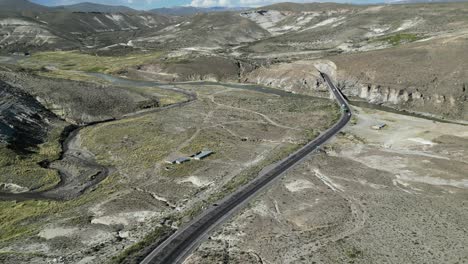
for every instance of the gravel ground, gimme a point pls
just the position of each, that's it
(392, 196)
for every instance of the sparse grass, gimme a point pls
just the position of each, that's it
(23, 170)
(154, 235)
(13, 217)
(399, 38)
(214, 139)
(226, 145)
(170, 99)
(354, 253)
(182, 170)
(141, 141)
(30, 254)
(76, 61)
(291, 111)
(240, 180)
(166, 97)
(71, 75)
(249, 174)
(23, 218)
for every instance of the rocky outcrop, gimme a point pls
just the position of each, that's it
(428, 77)
(19, 35)
(24, 122)
(197, 68)
(79, 102)
(12, 188)
(301, 77)
(451, 104)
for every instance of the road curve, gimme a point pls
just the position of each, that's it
(178, 247)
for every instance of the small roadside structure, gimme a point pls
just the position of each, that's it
(178, 160)
(379, 126)
(202, 155)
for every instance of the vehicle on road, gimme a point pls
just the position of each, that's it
(180, 245)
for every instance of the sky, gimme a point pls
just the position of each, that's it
(148, 4)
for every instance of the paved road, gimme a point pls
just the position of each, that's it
(179, 246)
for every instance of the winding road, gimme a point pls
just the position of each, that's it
(180, 245)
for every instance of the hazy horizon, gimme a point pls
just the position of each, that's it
(149, 4)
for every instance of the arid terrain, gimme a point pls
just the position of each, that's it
(99, 104)
(394, 195)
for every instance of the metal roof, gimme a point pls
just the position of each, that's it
(202, 154)
(179, 160)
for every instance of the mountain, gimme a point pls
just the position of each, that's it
(93, 7)
(25, 26)
(190, 10)
(21, 5)
(305, 7)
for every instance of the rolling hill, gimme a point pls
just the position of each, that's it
(190, 10)
(93, 7)
(21, 6)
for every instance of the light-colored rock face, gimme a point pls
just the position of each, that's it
(17, 30)
(410, 96)
(57, 30)
(409, 23)
(281, 22)
(50, 233)
(12, 188)
(326, 66)
(268, 20)
(422, 77)
(302, 77)
(118, 22)
(125, 218)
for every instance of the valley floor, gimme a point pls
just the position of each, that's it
(144, 198)
(396, 195)
(147, 89)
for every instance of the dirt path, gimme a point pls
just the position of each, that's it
(358, 213)
(267, 118)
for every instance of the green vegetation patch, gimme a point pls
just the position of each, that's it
(23, 170)
(138, 141)
(400, 38)
(290, 111)
(76, 61)
(165, 97)
(18, 219)
(23, 218)
(71, 75)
